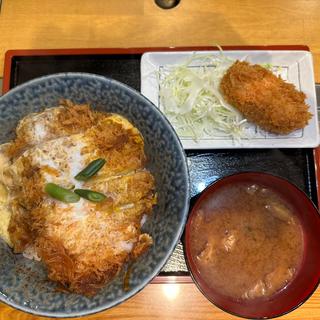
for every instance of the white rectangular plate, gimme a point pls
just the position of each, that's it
(295, 67)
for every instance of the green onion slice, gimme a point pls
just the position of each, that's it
(90, 170)
(60, 193)
(90, 195)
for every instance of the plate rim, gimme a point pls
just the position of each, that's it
(304, 142)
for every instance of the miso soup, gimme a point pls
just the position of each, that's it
(246, 241)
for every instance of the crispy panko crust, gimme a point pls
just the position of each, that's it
(59, 122)
(265, 99)
(83, 245)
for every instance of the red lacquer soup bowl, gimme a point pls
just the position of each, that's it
(307, 276)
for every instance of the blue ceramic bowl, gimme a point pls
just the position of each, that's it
(23, 283)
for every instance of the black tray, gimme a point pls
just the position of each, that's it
(296, 165)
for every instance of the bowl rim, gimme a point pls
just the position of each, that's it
(186, 248)
(184, 168)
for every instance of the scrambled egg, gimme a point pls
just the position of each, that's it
(83, 244)
(5, 215)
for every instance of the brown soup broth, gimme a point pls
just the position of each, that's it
(246, 241)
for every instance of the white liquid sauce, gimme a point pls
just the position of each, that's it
(30, 253)
(4, 162)
(126, 245)
(72, 157)
(143, 220)
(79, 210)
(126, 206)
(76, 163)
(39, 131)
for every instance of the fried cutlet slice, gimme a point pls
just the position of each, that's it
(264, 98)
(53, 123)
(59, 160)
(82, 247)
(127, 189)
(117, 141)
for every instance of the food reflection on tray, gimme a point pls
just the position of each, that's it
(220, 100)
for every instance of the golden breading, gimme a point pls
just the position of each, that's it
(125, 189)
(265, 99)
(53, 123)
(92, 245)
(84, 244)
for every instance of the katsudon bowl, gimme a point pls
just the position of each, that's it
(23, 282)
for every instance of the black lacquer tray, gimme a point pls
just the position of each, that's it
(296, 165)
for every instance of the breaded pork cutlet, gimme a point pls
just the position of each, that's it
(264, 98)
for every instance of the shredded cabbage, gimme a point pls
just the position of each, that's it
(190, 98)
